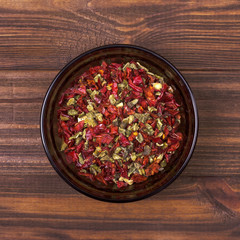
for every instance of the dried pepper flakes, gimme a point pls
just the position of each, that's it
(118, 123)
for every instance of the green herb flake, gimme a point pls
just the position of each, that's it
(158, 77)
(160, 157)
(142, 117)
(122, 130)
(124, 123)
(152, 109)
(163, 145)
(151, 158)
(76, 135)
(150, 130)
(131, 171)
(77, 140)
(116, 156)
(64, 118)
(115, 122)
(71, 101)
(125, 66)
(130, 119)
(84, 134)
(90, 107)
(97, 151)
(147, 150)
(77, 97)
(135, 127)
(90, 119)
(93, 93)
(139, 138)
(86, 145)
(129, 182)
(133, 156)
(80, 158)
(109, 87)
(98, 76)
(124, 152)
(128, 133)
(81, 114)
(104, 82)
(159, 124)
(142, 67)
(95, 169)
(123, 85)
(130, 147)
(116, 139)
(72, 112)
(120, 163)
(63, 146)
(99, 117)
(112, 99)
(140, 171)
(103, 153)
(117, 150)
(106, 158)
(163, 163)
(137, 165)
(119, 104)
(132, 103)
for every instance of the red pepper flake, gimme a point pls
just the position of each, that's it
(137, 178)
(123, 140)
(104, 138)
(119, 124)
(134, 87)
(137, 80)
(115, 90)
(113, 129)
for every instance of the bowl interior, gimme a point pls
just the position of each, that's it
(118, 54)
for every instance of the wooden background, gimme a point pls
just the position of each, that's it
(201, 38)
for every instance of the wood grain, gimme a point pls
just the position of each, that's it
(45, 207)
(201, 38)
(191, 34)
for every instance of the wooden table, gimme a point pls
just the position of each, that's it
(201, 38)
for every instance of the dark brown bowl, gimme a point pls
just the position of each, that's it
(119, 53)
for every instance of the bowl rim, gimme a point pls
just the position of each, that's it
(43, 113)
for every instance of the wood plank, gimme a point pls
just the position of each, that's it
(37, 38)
(218, 99)
(203, 207)
(191, 34)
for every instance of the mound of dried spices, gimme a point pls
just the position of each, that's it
(118, 123)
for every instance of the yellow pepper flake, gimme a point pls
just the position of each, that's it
(157, 86)
(163, 136)
(135, 133)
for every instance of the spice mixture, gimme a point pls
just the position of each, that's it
(118, 123)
